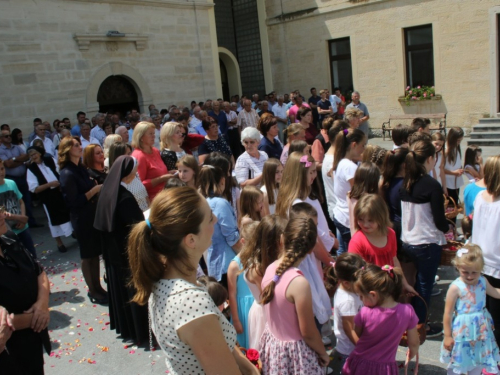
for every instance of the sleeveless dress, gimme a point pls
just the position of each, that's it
(245, 299)
(282, 349)
(472, 330)
(256, 317)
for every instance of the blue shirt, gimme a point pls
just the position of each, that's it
(226, 235)
(99, 134)
(470, 193)
(13, 152)
(323, 105)
(273, 150)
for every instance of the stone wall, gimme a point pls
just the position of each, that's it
(45, 73)
(465, 60)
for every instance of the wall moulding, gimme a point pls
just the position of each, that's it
(84, 40)
(156, 3)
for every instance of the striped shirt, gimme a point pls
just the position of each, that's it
(248, 119)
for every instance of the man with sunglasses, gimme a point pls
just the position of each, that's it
(14, 157)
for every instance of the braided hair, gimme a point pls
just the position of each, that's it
(299, 239)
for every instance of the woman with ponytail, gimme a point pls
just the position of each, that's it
(164, 252)
(423, 222)
(291, 344)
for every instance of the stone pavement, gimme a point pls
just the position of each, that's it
(83, 342)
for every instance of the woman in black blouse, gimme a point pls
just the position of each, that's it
(214, 142)
(24, 292)
(172, 135)
(80, 194)
(93, 159)
(117, 212)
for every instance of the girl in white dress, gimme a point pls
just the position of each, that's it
(453, 163)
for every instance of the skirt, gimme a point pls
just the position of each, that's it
(256, 325)
(287, 357)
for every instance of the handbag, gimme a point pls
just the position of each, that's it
(421, 328)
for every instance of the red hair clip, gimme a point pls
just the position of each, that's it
(388, 269)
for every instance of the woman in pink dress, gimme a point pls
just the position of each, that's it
(291, 343)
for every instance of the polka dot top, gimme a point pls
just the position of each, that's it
(174, 303)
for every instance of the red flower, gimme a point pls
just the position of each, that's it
(253, 355)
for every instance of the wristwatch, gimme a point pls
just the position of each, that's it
(14, 158)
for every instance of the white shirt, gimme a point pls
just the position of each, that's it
(33, 181)
(48, 145)
(345, 171)
(335, 100)
(246, 163)
(231, 116)
(328, 183)
(280, 111)
(485, 233)
(248, 119)
(272, 207)
(91, 140)
(346, 304)
(454, 182)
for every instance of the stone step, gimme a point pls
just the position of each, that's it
(486, 127)
(484, 142)
(491, 120)
(483, 135)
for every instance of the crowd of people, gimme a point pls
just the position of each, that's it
(241, 224)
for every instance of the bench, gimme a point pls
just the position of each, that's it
(441, 127)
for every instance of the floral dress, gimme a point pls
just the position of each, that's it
(472, 330)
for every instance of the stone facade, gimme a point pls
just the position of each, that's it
(55, 54)
(465, 46)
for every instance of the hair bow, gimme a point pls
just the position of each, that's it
(470, 216)
(304, 160)
(461, 252)
(345, 131)
(388, 269)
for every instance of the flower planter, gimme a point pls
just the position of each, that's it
(402, 99)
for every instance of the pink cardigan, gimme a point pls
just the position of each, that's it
(150, 167)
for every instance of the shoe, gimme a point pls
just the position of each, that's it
(435, 292)
(326, 340)
(62, 249)
(437, 278)
(36, 225)
(101, 301)
(433, 330)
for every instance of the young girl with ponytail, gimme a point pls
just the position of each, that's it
(349, 146)
(291, 344)
(423, 222)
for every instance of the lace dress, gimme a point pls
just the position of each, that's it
(472, 330)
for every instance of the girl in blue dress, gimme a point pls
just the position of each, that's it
(469, 345)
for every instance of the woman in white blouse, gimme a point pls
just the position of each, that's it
(164, 252)
(249, 165)
(43, 180)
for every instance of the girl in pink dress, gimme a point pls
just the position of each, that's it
(380, 323)
(291, 344)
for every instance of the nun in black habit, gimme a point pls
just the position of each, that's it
(117, 212)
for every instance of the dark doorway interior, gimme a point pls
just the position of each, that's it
(116, 93)
(224, 81)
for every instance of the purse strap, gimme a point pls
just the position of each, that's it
(407, 363)
(426, 307)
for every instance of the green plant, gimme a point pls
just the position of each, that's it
(419, 93)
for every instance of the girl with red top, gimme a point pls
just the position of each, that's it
(374, 241)
(152, 170)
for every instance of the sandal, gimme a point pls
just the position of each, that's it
(100, 301)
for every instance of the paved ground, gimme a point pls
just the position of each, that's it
(82, 341)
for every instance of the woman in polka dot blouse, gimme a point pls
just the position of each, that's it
(164, 252)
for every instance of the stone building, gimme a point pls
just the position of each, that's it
(59, 57)
(378, 47)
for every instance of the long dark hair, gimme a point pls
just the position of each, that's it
(414, 162)
(343, 141)
(394, 161)
(452, 145)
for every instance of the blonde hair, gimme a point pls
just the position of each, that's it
(472, 258)
(375, 208)
(248, 199)
(166, 133)
(294, 183)
(140, 129)
(492, 175)
(294, 129)
(352, 112)
(64, 148)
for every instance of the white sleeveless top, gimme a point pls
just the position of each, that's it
(454, 182)
(436, 171)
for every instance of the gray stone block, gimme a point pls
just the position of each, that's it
(25, 79)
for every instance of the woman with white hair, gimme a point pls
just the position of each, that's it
(108, 141)
(249, 166)
(171, 136)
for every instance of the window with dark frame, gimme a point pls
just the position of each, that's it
(341, 64)
(419, 56)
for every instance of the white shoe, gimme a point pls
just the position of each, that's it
(326, 340)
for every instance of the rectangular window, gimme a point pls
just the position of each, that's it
(340, 64)
(419, 56)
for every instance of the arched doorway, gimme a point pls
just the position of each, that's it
(116, 93)
(230, 73)
(224, 81)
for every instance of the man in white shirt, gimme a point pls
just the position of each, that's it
(195, 120)
(86, 138)
(279, 110)
(47, 143)
(98, 132)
